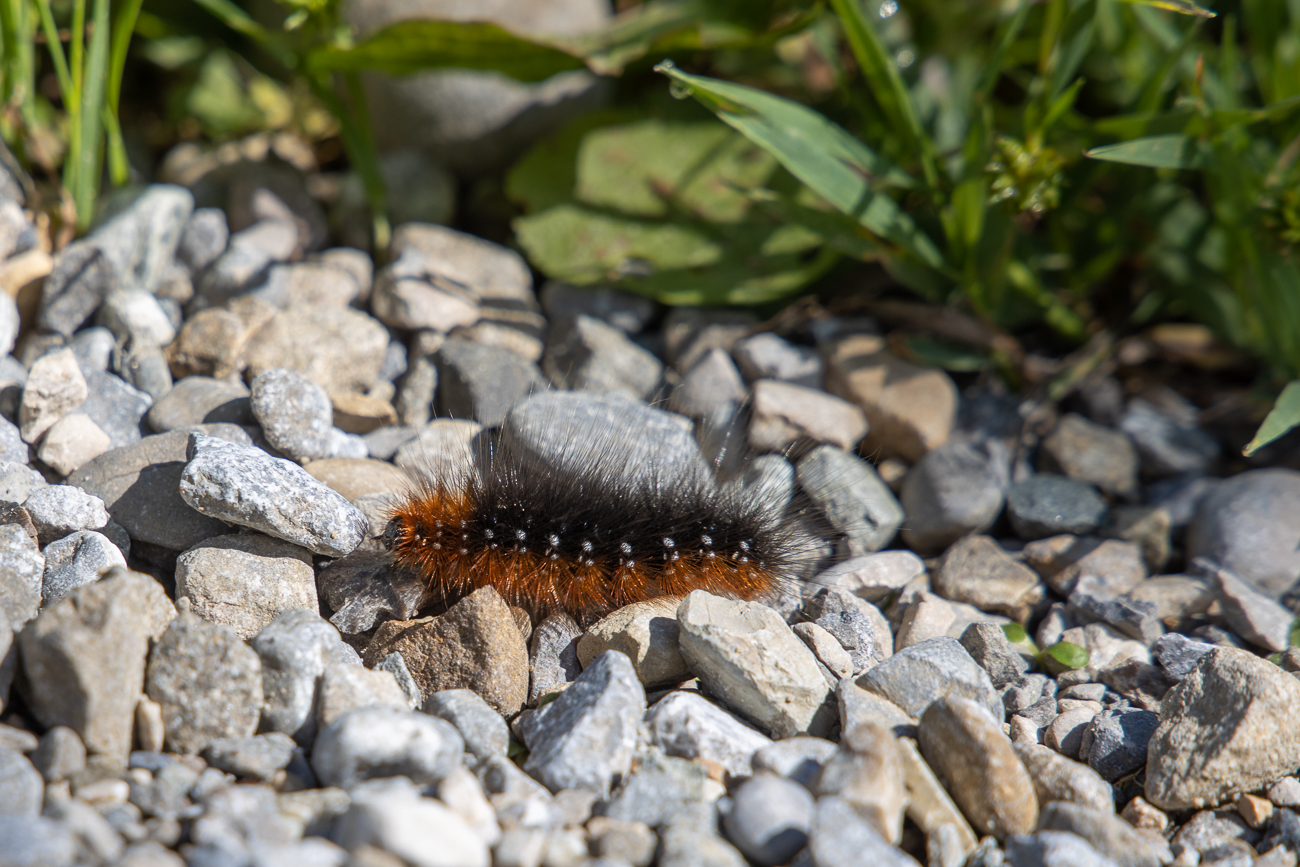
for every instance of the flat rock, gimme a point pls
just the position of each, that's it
(115, 406)
(75, 561)
(71, 442)
(1047, 505)
(480, 726)
(1250, 525)
(586, 738)
(955, 489)
(1227, 728)
(338, 348)
(711, 385)
(474, 645)
(244, 485)
(390, 818)
(911, 409)
(482, 382)
(553, 655)
(1106, 832)
(748, 657)
(245, 580)
(978, 767)
(1167, 446)
(647, 632)
(208, 682)
(84, 659)
(852, 497)
(258, 757)
(584, 353)
(873, 577)
(378, 742)
(919, 675)
(686, 725)
(1057, 778)
(785, 413)
(55, 387)
(359, 477)
(58, 510)
(842, 838)
(344, 687)
(1252, 614)
(976, 570)
(1089, 452)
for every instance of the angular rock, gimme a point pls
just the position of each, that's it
(22, 570)
(749, 658)
(75, 561)
(987, 644)
(867, 772)
(295, 649)
(955, 489)
(1252, 614)
(245, 581)
(115, 407)
(976, 570)
(375, 742)
(338, 348)
(474, 645)
(919, 675)
(1167, 446)
(586, 738)
(84, 659)
(647, 633)
(1047, 505)
(55, 387)
(246, 486)
(584, 353)
(1248, 525)
(1054, 849)
(785, 413)
(978, 767)
(482, 728)
(483, 383)
(208, 682)
(345, 687)
(58, 510)
(852, 497)
(688, 726)
(1106, 832)
(72, 441)
(842, 838)
(257, 757)
(1080, 449)
(873, 577)
(295, 413)
(1057, 778)
(1226, 728)
(553, 655)
(711, 385)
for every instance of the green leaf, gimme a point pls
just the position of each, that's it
(886, 83)
(1015, 633)
(92, 101)
(1157, 152)
(838, 167)
(1283, 417)
(1186, 7)
(410, 46)
(1293, 636)
(1068, 654)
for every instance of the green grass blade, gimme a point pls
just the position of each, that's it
(882, 76)
(235, 18)
(993, 65)
(119, 168)
(410, 46)
(92, 102)
(1157, 152)
(835, 165)
(77, 43)
(60, 60)
(1186, 7)
(1284, 416)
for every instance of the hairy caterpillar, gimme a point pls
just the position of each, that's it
(596, 526)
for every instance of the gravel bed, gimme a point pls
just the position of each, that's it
(1058, 643)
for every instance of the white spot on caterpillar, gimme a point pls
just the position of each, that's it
(519, 534)
(706, 541)
(625, 548)
(553, 539)
(744, 546)
(669, 543)
(586, 547)
(490, 534)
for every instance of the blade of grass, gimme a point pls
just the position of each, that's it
(119, 168)
(359, 145)
(92, 101)
(1186, 7)
(236, 19)
(16, 29)
(993, 65)
(1157, 152)
(1284, 416)
(77, 43)
(71, 90)
(882, 76)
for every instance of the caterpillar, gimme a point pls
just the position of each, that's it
(597, 526)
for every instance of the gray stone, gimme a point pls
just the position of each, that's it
(93, 347)
(783, 413)
(345, 687)
(1179, 654)
(1250, 525)
(390, 816)
(245, 486)
(145, 368)
(647, 632)
(17, 481)
(1117, 741)
(1166, 446)
(364, 589)
(746, 655)
(199, 400)
(75, 561)
(956, 489)
(625, 311)
(664, 791)
(1092, 453)
(568, 430)
(687, 846)
(976, 570)
(1057, 778)
(852, 497)
(1240, 704)
(586, 738)
(842, 838)
(374, 742)
(584, 353)
(139, 487)
(249, 253)
(483, 730)
(1095, 600)
(115, 407)
(1065, 732)
(770, 819)
(72, 441)
(21, 786)
(857, 634)
(1062, 559)
(12, 447)
(1047, 505)
(294, 412)
(395, 665)
(55, 387)
(553, 655)
(208, 682)
(35, 840)
(483, 383)
(688, 726)
(1252, 614)
(257, 757)
(916, 676)
(977, 765)
(84, 659)
(22, 567)
(203, 239)
(768, 356)
(9, 323)
(1181, 495)
(868, 772)
(800, 758)
(136, 317)
(340, 349)
(295, 648)
(141, 240)
(873, 577)
(987, 644)
(1106, 832)
(82, 277)
(61, 754)
(245, 581)
(1054, 849)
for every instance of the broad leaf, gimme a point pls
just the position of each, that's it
(1068, 654)
(1157, 152)
(1284, 416)
(838, 167)
(411, 46)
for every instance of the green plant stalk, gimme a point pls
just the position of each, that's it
(124, 24)
(20, 76)
(92, 101)
(70, 89)
(360, 149)
(77, 42)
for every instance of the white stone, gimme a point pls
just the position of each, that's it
(72, 441)
(689, 726)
